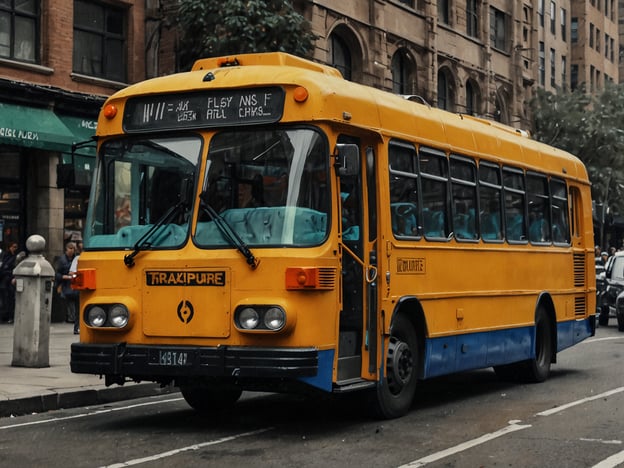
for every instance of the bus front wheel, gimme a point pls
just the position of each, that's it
(209, 397)
(394, 393)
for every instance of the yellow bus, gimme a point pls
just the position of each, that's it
(260, 223)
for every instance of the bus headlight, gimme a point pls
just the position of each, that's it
(107, 315)
(118, 316)
(96, 316)
(262, 318)
(274, 318)
(248, 318)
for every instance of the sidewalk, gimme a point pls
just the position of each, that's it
(34, 390)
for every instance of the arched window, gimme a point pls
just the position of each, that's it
(340, 56)
(472, 98)
(402, 73)
(446, 99)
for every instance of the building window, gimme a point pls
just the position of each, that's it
(564, 66)
(553, 10)
(340, 56)
(409, 3)
(540, 12)
(606, 39)
(611, 55)
(552, 68)
(564, 19)
(445, 91)
(472, 18)
(402, 72)
(472, 98)
(592, 71)
(19, 30)
(542, 65)
(498, 29)
(573, 77)
(574, 30)
(591, 35)
(444, 13)
(99, 41)
(598, 39)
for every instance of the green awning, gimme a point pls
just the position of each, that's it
(33, 127)
(83, 130)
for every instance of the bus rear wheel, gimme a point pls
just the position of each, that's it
(210, 397)
(395, 391)
(536, 369)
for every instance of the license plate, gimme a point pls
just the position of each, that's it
(172, 358)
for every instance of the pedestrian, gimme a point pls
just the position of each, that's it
(63, 285)
(7, 283)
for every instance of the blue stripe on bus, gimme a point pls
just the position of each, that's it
(450, 354)
(323, 378)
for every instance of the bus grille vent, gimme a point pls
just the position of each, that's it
(327, 278)
(579, 270)
(580, 305)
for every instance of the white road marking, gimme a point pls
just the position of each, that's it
(170, 453)
(610, 462)
(606, 338)
(602, 441)
(465, 446)
(613, 460)
(91, 413)
(580, 402)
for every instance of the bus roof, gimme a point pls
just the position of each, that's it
(332, 98)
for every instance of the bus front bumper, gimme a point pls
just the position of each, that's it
(160, 362)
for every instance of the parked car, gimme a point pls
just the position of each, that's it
(619, 311)
(614, 279)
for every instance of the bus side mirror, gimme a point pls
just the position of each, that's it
(347, 159)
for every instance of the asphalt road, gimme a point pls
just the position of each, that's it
(575, 419)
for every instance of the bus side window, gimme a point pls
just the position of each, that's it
(491, 208)
(403, 190)
(560, 212)
(433, 167)
(514, 190)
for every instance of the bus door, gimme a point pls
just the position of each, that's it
(358, 318)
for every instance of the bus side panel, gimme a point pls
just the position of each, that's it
(572, 332)
(458, 353)
(450, 354)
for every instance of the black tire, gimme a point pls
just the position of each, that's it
(210, 397)
(394, 394)
(536, 369)
(620, 321)
(603, 318)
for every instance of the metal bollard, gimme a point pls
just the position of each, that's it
(33, 303)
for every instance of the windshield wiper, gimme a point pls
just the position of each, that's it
(228, 232)
(142, 242)
(168, 216)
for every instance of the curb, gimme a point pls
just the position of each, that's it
(74, 399)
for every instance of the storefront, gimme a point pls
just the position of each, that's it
(35, 149)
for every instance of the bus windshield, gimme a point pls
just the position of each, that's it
(142, 193)
(267, 186)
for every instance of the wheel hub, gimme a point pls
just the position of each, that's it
(399, 365)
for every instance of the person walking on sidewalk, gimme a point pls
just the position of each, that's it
(7, 283)
(63, 285)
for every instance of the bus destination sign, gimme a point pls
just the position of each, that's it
(216, 108)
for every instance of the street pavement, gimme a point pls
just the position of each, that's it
(25, 390)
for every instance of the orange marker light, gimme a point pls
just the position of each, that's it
(110, 111)
(301, 278)
(300, 94)
(84, 279)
